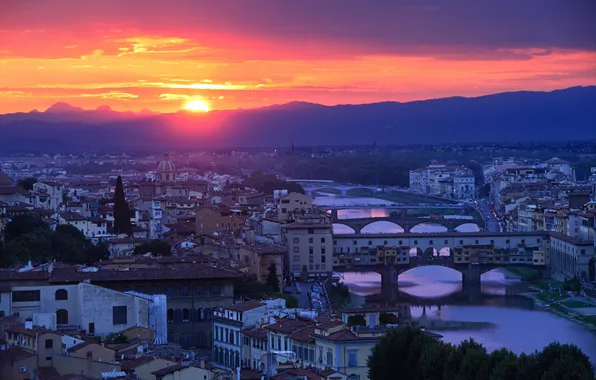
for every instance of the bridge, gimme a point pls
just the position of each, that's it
(407, 223)
(342, 189)
(471, 254)
(390, 206)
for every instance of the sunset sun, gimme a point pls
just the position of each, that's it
(196, 106)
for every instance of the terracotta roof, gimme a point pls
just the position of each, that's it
(255, 333)
(246, 306)
(72, 216)
(15, 354)
(80, 346)
(36, 330)
(168, 370)
(10, 189)
(304, 335)
(307, 225)
(130, 365)
(287, 326)
(47, 373)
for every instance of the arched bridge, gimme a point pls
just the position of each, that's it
(357, 224)
(471, 272)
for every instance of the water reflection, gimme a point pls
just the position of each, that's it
(437, 293)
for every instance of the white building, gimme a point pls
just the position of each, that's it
(455, 182)
(228, 324)
(99, 311)
(47, 195)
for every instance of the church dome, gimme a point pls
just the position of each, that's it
(166, 165)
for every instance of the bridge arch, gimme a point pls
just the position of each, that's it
(342, 229)
(382, 227)
(428, 226)
(468, 227)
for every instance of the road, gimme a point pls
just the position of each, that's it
(492, 222)
(310, 296)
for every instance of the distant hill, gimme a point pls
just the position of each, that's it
(567, 114)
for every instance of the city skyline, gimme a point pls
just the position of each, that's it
(233, 55)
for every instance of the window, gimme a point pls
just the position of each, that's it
(119, 315)
(322, 240)
(322, 250)
(185, 290)
(353, 358)
(295, 240)
(215, 291)
(61, 294)
(323, 259)
(400, 242)
(311, 231)
(296, 257)
(296, 249)
(507, 241)
(49, 343)
(170, 315)
(311, 250)
(200, 289)
(185, 315)
(430, 242)
(370, 242)
(329, 357)
(91, 328)
(311, 240)
(475, 241)
(25, 296)
(62, 317)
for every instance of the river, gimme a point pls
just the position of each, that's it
(516, 323)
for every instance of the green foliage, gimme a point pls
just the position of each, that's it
(573, 284)
(267, 183)
(29, 238)
(356, 320)
(339, 294)
(21, 225)
(27, 183)
(156, 247)
(407, 353)
(272, 280)
(249, 287)
(122, 224)
(388, 319)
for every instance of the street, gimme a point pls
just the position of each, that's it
(493, 224)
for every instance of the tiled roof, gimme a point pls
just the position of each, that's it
(130, 365)
(246, 306)
(255, 333)
(287, 326)
(15, 354)
(168, 370)
(304, 335)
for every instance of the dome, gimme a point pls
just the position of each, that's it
(166, 165)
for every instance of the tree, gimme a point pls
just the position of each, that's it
(21, 225)
(557, 351)
(388, 319)
(71, 231)
(27, 183)
(567, 368)
(356, 320)
(156, 247)
(272, 281)
(122, 223)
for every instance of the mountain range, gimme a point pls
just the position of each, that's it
(525, 116)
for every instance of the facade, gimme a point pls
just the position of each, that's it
(47, 195)
(310, 249)
(211, 219)
(571, 257)
(260, 256)
(291, 203)
(83, 306)
(444, 181)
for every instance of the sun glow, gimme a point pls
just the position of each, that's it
(196, 106)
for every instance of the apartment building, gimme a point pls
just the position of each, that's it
(310, 249)
(455, 182)
(292, 203)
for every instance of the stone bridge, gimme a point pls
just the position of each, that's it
(471, 272)
(407, 223)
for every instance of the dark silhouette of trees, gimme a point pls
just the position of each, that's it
(272, 281)
(409, 353)
(156, 247)
(27, 183)
(122, 224)
(21, 225)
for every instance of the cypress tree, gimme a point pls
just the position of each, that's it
(122, 223)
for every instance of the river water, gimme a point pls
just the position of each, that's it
(515, 322)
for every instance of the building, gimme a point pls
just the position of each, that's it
(260, 256)
(228, 324)
(310, 249)
(215, 218)
(291, 203)
(47, 195)
(99, 311)
(570, 257)
(444, 181)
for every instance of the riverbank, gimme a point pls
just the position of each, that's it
(547, 294)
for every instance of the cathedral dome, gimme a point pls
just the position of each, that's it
(166, 165)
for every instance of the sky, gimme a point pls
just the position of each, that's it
(159, 54)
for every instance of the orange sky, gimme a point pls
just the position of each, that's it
(142, 54)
